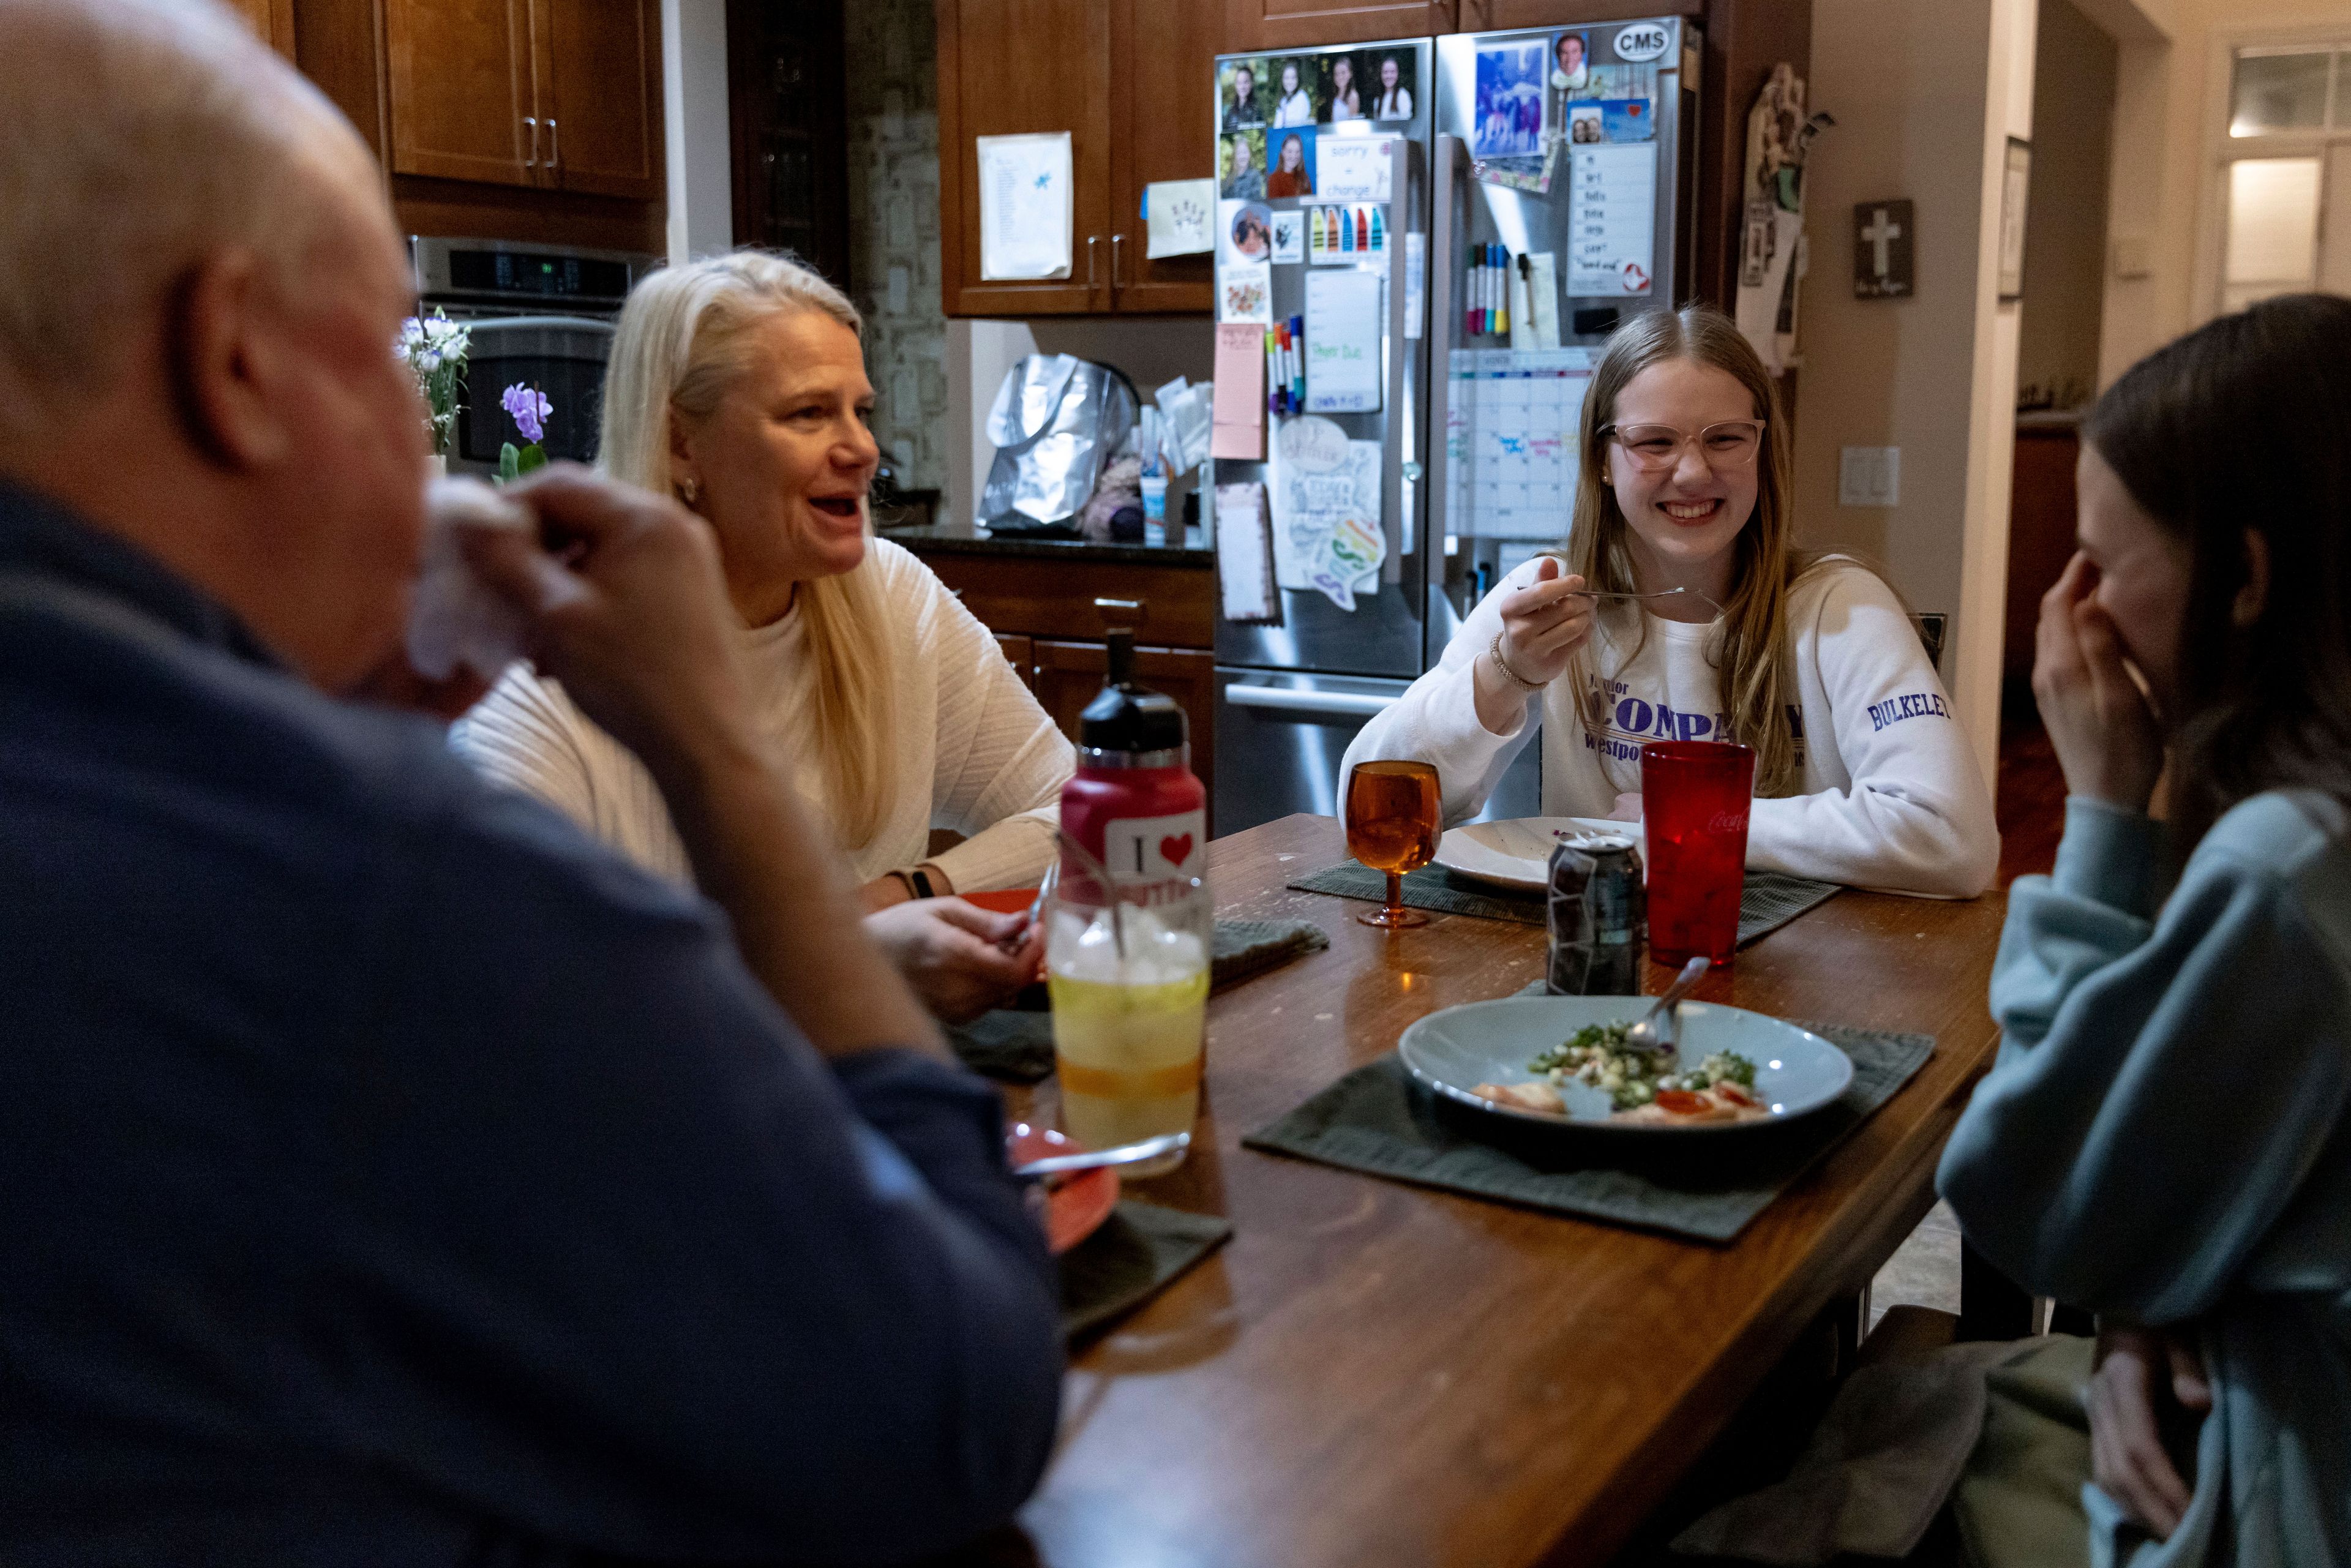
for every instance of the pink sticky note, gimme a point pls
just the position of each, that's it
(1239, 429)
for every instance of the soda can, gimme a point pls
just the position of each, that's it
(1598, 912)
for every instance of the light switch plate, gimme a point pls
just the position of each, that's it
(1869, 476)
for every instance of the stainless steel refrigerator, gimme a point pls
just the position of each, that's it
(1574, 154)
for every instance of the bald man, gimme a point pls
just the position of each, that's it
(389, 1174)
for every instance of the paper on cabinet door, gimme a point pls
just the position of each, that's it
(1024, 205)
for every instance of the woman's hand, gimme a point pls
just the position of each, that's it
(2100, 723)
(1542, 624)
(949, 951)
(2127, 1459)
(1544, 621)
(1628, 807)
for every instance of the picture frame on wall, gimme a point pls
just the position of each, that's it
(2016, 188)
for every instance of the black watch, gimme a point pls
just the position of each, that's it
(920, 882)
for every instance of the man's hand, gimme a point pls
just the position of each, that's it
(2100, 724)
(1627, 808)
(2139, 1371)
(627, 608)
(947, 950)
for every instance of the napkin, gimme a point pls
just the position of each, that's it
(1139, 1251)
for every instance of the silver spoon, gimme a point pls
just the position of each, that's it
(1661, 593)
(1094, 1159)
(1645, 1035)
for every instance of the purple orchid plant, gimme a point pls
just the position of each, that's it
(530, 409)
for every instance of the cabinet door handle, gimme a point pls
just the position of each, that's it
(532, 161)
(554, 146)
(1135, 607)
(1092, 241)
(1116, 241)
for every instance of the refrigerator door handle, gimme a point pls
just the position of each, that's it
(1280, 699)
(1443, 241)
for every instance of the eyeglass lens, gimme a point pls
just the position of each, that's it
(1726, 445)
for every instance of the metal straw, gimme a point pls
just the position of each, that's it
(1109, 889)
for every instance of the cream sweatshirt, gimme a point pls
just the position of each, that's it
(1891, 796)
(973, 750)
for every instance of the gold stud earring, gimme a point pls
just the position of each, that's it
(686, 491)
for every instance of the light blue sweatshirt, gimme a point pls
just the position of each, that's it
(2167, 1137)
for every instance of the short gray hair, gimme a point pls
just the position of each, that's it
(140, 135)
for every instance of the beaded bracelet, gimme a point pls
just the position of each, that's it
(1515, 678)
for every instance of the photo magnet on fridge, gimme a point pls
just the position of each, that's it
(1627, 120)
(1245, 293)
(1240, 95)
(1292, 173)
(1241, 165)
(1509, 100)
(1288, 236)
(1246, 231)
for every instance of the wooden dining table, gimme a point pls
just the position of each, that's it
(1370, 1372)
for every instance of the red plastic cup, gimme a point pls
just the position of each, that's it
(1695, 796)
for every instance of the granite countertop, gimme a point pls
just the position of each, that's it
(946, 539)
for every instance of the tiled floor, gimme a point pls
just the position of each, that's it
(2032, 806)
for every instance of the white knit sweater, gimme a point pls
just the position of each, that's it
(1891, 796)
(973, 750)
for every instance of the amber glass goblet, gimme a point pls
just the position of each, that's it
(1392, 821)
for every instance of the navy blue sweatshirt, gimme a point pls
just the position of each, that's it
(388, 1174)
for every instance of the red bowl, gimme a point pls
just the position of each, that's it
(1003, 900)
(1075, 1210)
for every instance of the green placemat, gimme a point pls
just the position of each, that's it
(1016, 1044)
(1706, 1187)
(1769, 899)
(1138, 1250)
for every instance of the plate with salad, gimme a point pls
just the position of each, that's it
(1563, 1062)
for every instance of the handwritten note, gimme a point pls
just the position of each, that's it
(1245, 556)
(1612, 221)
(1354, 168)
(1024, 205)
(1343, 342)
(1179, 217)
(1240, 429)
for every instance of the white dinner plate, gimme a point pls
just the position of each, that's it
(1455, 1049)
(1516, 853)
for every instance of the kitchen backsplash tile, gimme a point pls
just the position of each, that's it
(894, 205)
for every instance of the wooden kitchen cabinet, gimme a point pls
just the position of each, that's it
(1130, 82)
(273, 19)
(1071, 675)
(1020, 652)
(1304, 24)
(551, 94)
(600, 70)
(463, 102)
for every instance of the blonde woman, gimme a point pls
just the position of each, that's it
(1862, 774)
(737, 384)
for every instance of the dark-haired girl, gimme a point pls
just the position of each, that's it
(2167, 1137)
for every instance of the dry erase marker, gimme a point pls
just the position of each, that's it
(1470, 295)
(1298, 360)
(1502, 295)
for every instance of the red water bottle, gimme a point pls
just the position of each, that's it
(1134, 801)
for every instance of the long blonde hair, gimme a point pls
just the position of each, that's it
(1750, 650)
(684, 341)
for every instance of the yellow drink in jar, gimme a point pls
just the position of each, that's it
(1127, 1041)
(1129, 1057)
